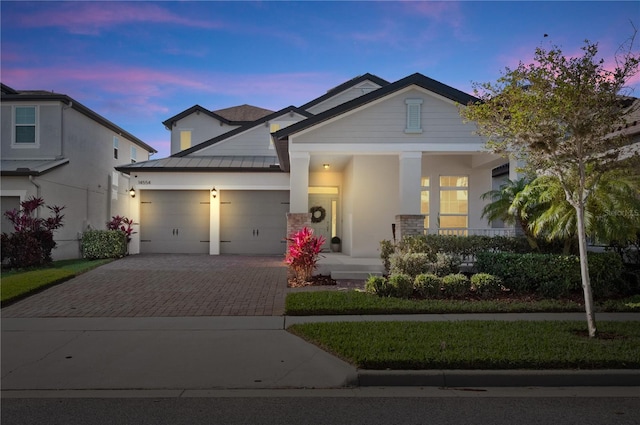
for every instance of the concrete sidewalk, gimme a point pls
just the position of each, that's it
(196, 353)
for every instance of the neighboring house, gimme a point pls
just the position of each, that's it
(366, 158)
(55, 148)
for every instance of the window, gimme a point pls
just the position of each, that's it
(185, 139)
(134, 154)
(25, 125)
(414, 116)
(272, 129)
(424, 200)
(454, 203)
(115, 147)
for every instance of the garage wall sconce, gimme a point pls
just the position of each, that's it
(132, 192)
(325, 166)
(214, 192)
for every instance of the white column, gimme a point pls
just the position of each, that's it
(410, 174)
(514, 165)
(299, 182)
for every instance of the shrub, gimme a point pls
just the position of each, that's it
(32, 241)
(401, 285)
(303, 253)
(455, 285)
(387, 248)
(428, 285)
(552, 275)
(377, 285)
(98, 244)
(486, 285)
(445, 264)
(121, 223)
(410, 263)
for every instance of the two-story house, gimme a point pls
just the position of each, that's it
(365, 159)
(55, 148)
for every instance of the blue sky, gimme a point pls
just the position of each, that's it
(139, 63)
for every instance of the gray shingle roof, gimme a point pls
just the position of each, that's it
(29, 167)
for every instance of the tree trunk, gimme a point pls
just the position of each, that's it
(584, 272)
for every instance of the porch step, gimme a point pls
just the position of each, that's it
(354, 274)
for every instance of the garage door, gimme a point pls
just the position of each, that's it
(174, 221)
(253, 222)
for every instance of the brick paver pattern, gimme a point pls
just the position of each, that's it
(166, 285)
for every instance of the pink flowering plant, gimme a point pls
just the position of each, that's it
(303, 254)
(121, 223)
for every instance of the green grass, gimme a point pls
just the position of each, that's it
(477, 344)
(354, 302)
(18, 284)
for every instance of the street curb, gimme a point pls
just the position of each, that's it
(499, 378)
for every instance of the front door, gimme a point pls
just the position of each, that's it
(322, 217)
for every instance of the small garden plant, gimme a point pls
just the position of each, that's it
(303, 255)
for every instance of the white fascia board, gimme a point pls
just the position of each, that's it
(384, 148)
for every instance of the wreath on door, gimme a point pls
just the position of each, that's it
(317, 214)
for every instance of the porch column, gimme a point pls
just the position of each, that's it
(410, 175)
(299, 182)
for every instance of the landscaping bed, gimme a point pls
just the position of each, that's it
(477, 344)
(355, 302)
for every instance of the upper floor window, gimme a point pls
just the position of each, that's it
(272, 129)
(25, 125)
(414, 116)
(134, 154)
(185, 139)
(115, 147)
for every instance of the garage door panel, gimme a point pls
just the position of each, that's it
(174, 221)
(253, 222)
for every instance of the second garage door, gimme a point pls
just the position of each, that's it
(174, 221)
(253, 222)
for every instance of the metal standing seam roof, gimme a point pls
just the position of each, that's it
(205, 163)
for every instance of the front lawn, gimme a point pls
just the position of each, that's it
(354, 302)
(17, 284)
(477, 344)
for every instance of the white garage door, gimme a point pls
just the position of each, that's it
(253, 222)
(174, 221)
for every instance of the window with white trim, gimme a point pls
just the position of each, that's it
(185, 139)
(272, 129)
(25, 119)
(454, 204)
(134, 154)
(424, 200)
(115, 147)
(414, 116)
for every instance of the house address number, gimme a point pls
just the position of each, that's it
(144, 181)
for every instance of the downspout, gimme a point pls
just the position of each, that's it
(33, 182)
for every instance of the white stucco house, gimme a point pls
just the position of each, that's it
(55, 148)
(367, 156)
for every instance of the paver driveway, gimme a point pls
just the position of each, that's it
(159, 285)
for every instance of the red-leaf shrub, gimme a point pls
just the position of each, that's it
(121, 223)
(32, 241)
(303, 253)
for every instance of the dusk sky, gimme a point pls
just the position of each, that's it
(139, 63)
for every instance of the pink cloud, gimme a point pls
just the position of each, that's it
(92, 17)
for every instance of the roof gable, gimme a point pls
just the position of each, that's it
(345, 86)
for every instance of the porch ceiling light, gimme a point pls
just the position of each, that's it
(214, 192)
(325, 166)
(132, 192)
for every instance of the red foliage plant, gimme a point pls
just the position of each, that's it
(303, 253)
(121, 223)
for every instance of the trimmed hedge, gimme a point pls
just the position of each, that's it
(98, 244)
(552, 275)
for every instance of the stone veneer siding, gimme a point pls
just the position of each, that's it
(409, 225)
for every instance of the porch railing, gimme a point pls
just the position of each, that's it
(471, 232)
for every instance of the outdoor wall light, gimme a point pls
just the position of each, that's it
(214, 192)
(325, 166)
(132, 192)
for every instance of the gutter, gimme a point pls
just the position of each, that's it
(33, 181)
